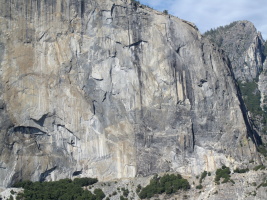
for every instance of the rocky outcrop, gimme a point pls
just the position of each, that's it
(113, 89)
(262, 86)
(244, 46)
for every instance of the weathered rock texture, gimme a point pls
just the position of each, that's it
(262, 85)
(244, 46)
(113, 89)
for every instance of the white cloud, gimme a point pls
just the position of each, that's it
(207, 14)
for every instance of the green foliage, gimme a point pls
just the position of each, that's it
(252, 99)
(203, 175)
(253, 193)
(263, 184)
(64, 189)
(19, 196)
(249, 90)
(199, 186)
(10, 197)
(251, 96)
(138, 189)
(265, 49)
(99, 194)
(23, 184)
(240, 171)
(224, 173)
(125, 192)
(221, 28)
(134, 1)
(168, 184)
(259, 167)
(165, 12)
(262, 150)
(123, 198)
(215, 37)
(84, 181)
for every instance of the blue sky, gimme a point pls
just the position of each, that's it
(207, 14)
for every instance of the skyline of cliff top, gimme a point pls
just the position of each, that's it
(212, 14)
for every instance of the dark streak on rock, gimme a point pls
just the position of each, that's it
(137, 43)
(82, 8)
(29, 130)
(112, 9)
(46, 173)
(41, 120)
(77, 173)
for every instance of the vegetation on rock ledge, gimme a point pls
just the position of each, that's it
(168, 184)
(224, 173)
(240, 171)
(203, 176)
(64, 189)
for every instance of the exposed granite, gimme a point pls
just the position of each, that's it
(113, 89)
(244, 46)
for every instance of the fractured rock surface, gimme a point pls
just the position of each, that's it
(244, 46)
(112, 89)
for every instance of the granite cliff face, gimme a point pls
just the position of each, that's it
(113, 89)
(245, 48)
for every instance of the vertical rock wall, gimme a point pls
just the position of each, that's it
(244, 46)
(112, 89)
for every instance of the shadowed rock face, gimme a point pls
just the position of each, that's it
(244, 46)
(112, 89)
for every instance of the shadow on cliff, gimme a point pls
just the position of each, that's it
(252, 133)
